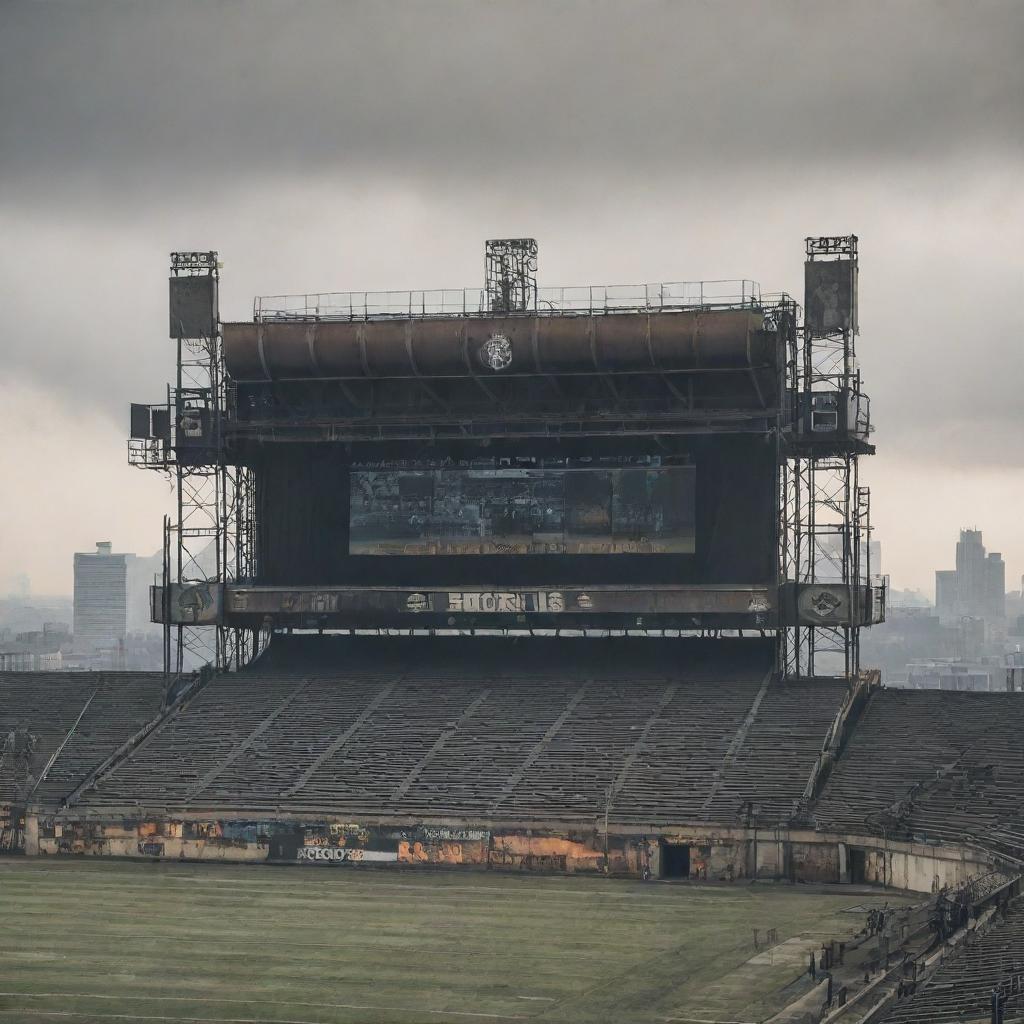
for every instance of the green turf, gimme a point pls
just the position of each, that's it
(91, 940)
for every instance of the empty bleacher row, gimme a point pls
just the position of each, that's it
(933, 763)
(779, 750)
(85, 716)
(961, 989)
(495, 728)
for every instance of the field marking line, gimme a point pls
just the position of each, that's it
(233, 1020)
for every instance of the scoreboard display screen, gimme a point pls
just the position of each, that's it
(479, 508)
(702, 514)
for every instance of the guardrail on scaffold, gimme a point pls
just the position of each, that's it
(740, 294)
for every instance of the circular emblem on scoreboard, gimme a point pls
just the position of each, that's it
(497, 352)
(417, 602)
(822, 603)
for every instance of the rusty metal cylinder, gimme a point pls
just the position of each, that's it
(468, 346)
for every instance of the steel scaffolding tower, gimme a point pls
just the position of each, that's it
(825, 527)
(823, 591)
(510, 269)
(211, 537)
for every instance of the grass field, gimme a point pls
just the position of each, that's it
(89, 940)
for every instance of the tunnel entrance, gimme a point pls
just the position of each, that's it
(858, 863)
(675, 860)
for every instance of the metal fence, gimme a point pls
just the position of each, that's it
(741, 294)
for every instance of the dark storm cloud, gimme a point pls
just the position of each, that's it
(639, 134)
(375, 145)
(133, 95)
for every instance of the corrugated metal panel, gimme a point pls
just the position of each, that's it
(458, 346)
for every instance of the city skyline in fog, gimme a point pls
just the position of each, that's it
(375, 146)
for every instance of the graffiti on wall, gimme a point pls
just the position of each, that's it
(547, 853)
(326, 843)
(427, 845)
(338, 855)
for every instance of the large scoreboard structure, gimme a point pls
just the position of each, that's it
(679, 456)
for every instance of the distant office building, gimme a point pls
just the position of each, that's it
(830, 558)
(143, 572)
(1015, 671)
(101, 587)
(22, 657)
(976, 589)
(952, 674)
(946, 595)
(995, 586)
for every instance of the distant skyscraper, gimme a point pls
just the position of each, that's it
(971, 573)
(100, 597)
(945, 595)
(995, 586)
(976, 589)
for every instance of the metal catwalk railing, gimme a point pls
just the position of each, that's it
(740, 294)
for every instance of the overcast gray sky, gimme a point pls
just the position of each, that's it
(338, 146)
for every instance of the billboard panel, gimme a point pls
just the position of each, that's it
(830, 296)
(195, 604)
(193, 307)
(140, 422)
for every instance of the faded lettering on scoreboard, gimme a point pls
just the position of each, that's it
(522, 510)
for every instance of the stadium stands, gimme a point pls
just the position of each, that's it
(961, 990)
(496, 728)
(779, 749)
(934, 763)
(80, 717)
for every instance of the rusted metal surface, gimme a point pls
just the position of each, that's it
(680, 341)
(746, 606)
(337, 842)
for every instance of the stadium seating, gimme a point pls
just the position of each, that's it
(932, 763)
(122, 705)
(772, 765)
(490, 728)
(86, 716)
(961, 990)
(172, 762)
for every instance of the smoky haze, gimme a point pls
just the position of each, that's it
(337, 146)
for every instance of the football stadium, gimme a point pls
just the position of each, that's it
(512, 672)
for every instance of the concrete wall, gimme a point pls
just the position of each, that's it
(324, 843)
(921, 868)
(723, 855)
(816, 861)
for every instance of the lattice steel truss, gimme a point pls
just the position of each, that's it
(510, 269)
(826, 530)
(825, 523)
(211, 537)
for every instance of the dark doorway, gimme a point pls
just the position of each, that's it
(284, 845)
(857, 858)
(675, 861)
